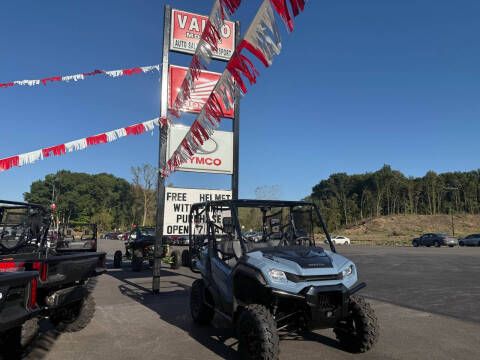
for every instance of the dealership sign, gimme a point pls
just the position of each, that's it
(214, 156)
(178, 202)
(202, 88)
(186, 31)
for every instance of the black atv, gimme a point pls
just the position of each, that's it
(281, 281)
(139, 247)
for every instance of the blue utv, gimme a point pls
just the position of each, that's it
(282, 282)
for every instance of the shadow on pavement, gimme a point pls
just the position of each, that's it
(172, 306)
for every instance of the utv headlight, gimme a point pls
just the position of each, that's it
(277, 275)
(347, 271)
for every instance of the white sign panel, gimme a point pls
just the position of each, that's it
(214, 156)
(178, 202)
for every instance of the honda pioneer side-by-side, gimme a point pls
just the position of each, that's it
(61, 293)
(280, 282)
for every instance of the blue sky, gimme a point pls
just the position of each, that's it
(358, 84)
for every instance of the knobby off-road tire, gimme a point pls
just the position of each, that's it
(257, 334)
(117, 259)
(82, 315)
(202, 314)
(137, 261)
(186, 258)
(360, 331)
(29, 331)
(175, 259)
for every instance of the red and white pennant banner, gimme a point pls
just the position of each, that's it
(80, 144)
(262, 40)
(83, 76)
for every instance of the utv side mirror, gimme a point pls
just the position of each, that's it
(227, 225)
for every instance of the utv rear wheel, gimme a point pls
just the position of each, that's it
(257, 334)
(77, 316)
(117, 259)
(202, 314)
(175, 259)
(137, 261)
(359, 332)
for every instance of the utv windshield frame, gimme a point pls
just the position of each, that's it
(34, 225)
(206, 208)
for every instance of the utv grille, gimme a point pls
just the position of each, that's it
(300, 278)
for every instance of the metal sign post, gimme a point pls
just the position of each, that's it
(162, 152)
(236, 128)
(162, 155)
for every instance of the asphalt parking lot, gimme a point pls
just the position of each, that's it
(427, 301)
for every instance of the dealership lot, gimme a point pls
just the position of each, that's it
(426, 300)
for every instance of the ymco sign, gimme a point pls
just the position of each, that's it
(187, 29)
(214, 156)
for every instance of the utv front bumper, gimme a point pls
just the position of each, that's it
(324, 306)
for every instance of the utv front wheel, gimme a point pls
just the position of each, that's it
(186, 258)
(117, 259)
(202, 314)
(359, 332)
(257, 334)
(175, 260)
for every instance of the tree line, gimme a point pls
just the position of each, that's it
(109, 201)
(347, 199)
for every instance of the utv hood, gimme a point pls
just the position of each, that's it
(306, 258)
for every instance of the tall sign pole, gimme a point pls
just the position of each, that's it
(162, 155)
(236, 128)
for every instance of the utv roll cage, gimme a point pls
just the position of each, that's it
(32, 219)
(196, 242)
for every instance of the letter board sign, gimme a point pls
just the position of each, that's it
(178, 202)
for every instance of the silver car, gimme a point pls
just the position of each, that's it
(470, 240)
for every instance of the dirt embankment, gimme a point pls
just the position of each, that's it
(401, 229)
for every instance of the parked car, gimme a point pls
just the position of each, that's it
(342, 240)
(435, 239)
(111, 236)
(470, 240)
(253, 236)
